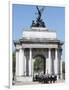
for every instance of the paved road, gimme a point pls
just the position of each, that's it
(31, 83)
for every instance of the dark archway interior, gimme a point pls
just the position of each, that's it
(39, 64)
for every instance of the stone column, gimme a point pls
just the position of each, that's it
(30, 63)
(21, 67)
(56, 63)
(49, 63)
(17, 63)
(47, 66)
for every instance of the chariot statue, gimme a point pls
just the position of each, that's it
(39, 22)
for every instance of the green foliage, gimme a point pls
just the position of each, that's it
(63, 67)
(38, 64)
(13, 62)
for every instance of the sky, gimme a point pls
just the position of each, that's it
(22, 16)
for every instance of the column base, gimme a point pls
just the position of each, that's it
(24, 78)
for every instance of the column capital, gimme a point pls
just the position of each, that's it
(57, 49)
(49, 48)
(22, 49)
(30, 48)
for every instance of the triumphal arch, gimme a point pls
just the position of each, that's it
(38, 42)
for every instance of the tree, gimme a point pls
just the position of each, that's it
(13, 63)
(63, 69)
(39, 64)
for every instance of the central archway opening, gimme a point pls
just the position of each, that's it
(39, 65)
